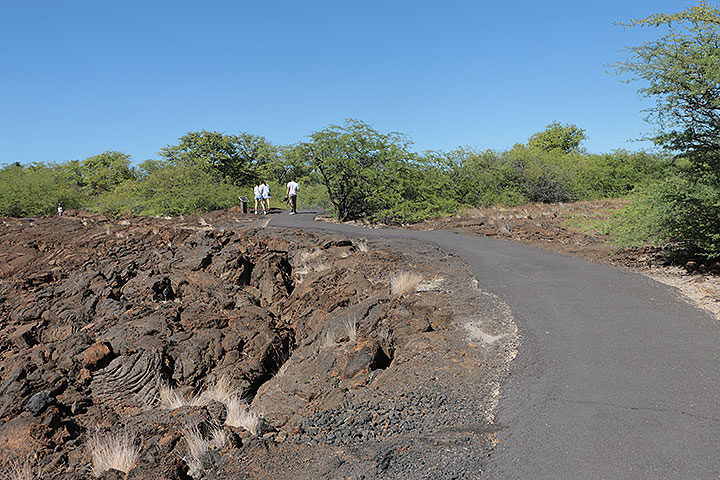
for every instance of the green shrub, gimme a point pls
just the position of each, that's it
(690, 222)
(638, 223)
(36, 190)
(179, 189)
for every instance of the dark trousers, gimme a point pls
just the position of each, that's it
(293, 202)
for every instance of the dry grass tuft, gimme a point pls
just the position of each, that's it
(350, 325)
(197, 447)
(404, 282)
(116, 450)
(329, 339)
(221, 391)
(172, 398)
(431, 285)
(240, 415)
(386, 336)
(25, 468)
(218, 437)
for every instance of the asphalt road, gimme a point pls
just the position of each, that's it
(616, 377)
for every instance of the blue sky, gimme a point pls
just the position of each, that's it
(81, 77)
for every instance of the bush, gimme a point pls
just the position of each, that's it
(36, 190)
(548, 190)
(171, 190)
(637, 223)
(690, 211)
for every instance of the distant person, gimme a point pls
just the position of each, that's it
(60, 209)
(257, 191)
(265, 192)
(292, 189)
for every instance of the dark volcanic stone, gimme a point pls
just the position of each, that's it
(39, 402)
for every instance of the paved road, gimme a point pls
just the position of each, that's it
(616, 377)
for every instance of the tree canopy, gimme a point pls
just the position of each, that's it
(681, 71)
(236, 157)
(360, 167)
(556, 136)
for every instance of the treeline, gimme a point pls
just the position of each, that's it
(351, 169)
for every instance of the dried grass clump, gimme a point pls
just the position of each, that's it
(350, 325)
(220, 391)
(171, 398)
(218, 437)
(404, 282)
(198, 445)
(431, 285)
(116, 450)
(329, 339)
(239, 414)
(25, 468)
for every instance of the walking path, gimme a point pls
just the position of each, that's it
(616, 378)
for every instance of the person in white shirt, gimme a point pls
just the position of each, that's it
(265, 191)
(258, 197)
(292, 189)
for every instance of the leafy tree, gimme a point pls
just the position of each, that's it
(361, 168)
(101, 173)
(681, 72)
(558, 137)
(239, 158)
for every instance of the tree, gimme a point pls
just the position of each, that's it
(361, 168)
(558, 137)
(238, 158)
(101, 173)
(681, 72)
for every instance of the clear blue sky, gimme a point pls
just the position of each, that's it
(81, 77)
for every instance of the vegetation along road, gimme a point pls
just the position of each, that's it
(616, 376)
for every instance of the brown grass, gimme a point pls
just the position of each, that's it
(116, 450)
(404, 282)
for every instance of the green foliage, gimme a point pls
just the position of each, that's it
(639, 222)
(616, 174)
(360, 167)
(352, 169)
(558, 137)
(177, 189)
(102, 173)
(241, 159)
(36, 190)
(681, 72)
(690, 213)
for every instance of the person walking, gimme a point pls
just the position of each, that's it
(257, 191)
(60, 209)
(265, 192)
(292, 189)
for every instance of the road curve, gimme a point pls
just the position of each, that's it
(616, 377)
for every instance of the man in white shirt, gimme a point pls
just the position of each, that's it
(292, 189)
